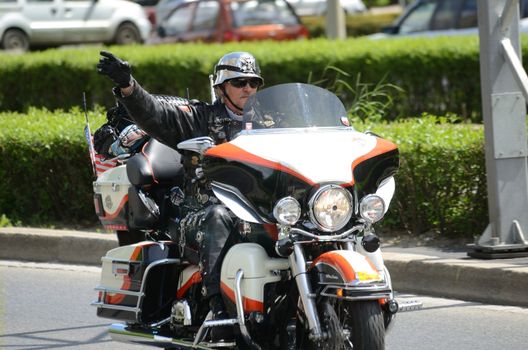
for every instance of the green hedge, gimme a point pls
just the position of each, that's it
(437, 75)
(45, 168)
(47, 176)
(441, 184)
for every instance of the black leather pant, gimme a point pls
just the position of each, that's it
(214, 233)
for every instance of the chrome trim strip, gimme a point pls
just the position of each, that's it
(323, 238)
(118, 291)
(115, 307)
(120, 332)
(361, 293)
(369, 297)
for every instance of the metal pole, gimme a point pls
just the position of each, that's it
(335, 20)
(504, 91)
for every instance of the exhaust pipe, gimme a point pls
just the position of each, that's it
(129, 334)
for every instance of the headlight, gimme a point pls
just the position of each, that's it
(372, 208)
(331, 207)
(287, 211)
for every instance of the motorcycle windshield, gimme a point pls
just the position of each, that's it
(294, 105)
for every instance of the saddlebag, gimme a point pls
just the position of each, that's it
(111, 198)
(138, 282)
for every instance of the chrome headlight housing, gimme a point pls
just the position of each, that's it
(287, 211)
(372, 208)
(331, 208)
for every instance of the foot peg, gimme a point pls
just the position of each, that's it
(409, 305)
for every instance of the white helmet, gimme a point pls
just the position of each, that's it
(236, 65)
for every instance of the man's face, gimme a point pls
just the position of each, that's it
(239, 90)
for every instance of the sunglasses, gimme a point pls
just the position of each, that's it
(240, 83)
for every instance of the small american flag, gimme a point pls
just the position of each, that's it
(102, 164)
(91, 149)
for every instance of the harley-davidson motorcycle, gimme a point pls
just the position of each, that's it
(307, 189)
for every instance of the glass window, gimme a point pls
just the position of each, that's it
(206, 15)
(146, 2)
(524, 8)
(180, 20)
(419, 19)
(468, 14)
(445, 15)
(258, 12)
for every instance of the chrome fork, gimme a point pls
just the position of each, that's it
(298, 267)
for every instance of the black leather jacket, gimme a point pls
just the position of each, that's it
(172, 124)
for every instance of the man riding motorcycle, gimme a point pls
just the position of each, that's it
(207, 224)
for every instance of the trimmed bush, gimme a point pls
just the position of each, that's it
(438, 75)
(441, 184)
(45, 168)
(47, 178)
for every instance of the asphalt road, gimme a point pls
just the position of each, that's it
(44, 306)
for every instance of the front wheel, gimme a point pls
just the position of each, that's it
(362, 324)
(126, 34)
(15, 40)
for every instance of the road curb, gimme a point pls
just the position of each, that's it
(494, 282)
(43, 245)
(473, 280)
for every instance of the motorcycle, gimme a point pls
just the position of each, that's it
(307, 189)
(135, 187)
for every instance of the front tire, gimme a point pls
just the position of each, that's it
(363, 320)
(15, 40)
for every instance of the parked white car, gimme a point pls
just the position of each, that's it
(318, 7)
(441, 17)
(40, 23)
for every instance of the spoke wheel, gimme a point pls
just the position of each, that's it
(330, 326)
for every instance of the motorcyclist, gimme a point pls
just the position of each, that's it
(213, 227)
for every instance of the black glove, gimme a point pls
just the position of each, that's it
(114, 68)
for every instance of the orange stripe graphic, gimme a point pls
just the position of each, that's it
(338, 262)
(232, 152)
(382, 146)
(250, 305)
(195, 278)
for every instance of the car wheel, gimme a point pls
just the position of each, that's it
(126, 34)
(15, 40)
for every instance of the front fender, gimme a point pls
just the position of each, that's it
(345, 267)
(348, 275)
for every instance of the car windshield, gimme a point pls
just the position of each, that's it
(295, 105)
(259, 12)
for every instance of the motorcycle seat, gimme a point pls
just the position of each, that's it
(155, 164)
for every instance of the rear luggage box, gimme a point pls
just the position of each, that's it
(138, 281)
(111, 198)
